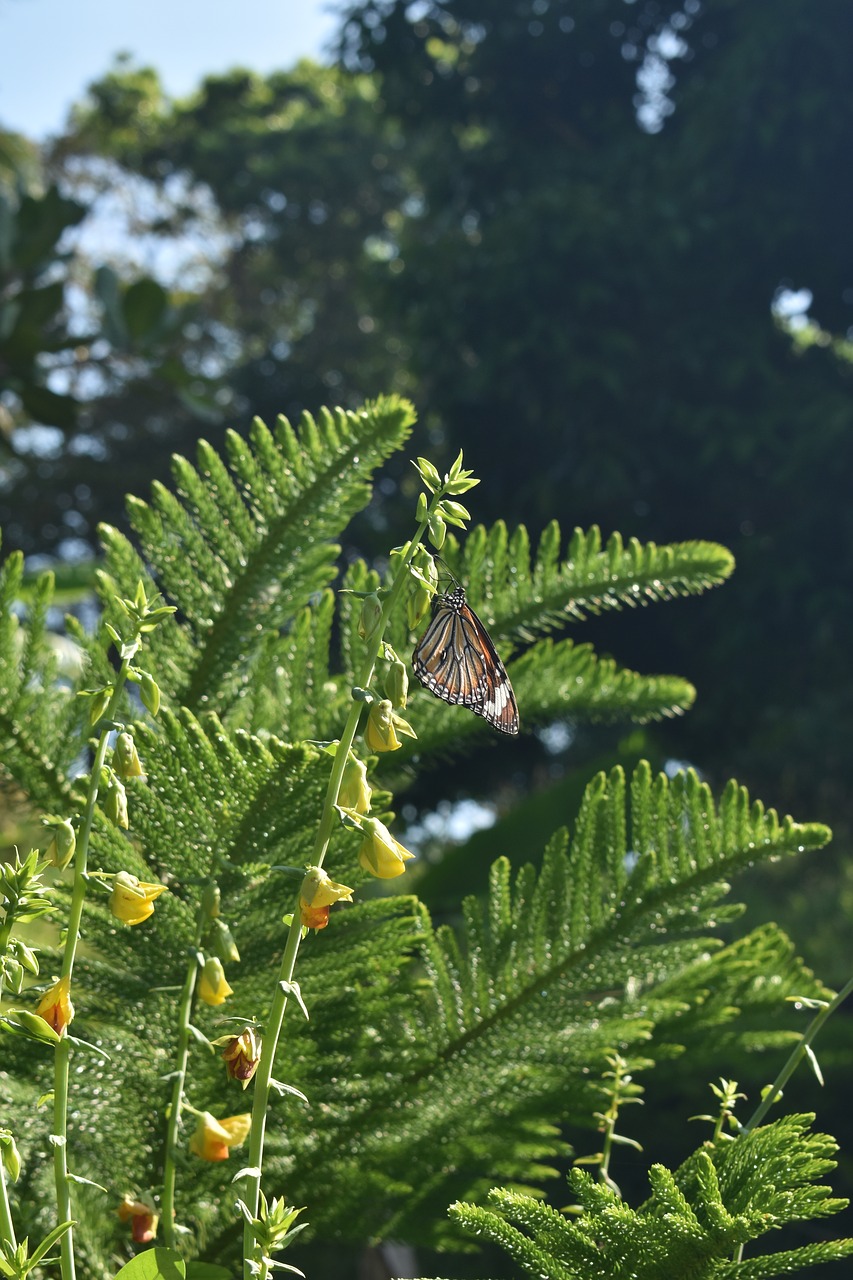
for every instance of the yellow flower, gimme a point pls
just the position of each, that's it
(380, 853)
(213, 1139)
(317, 895)
(55, 1006)
(132, 900)
(318, 890)
(213, 986)
(354, 791)
(241, 1055)
(383, 725)
(142, 1216)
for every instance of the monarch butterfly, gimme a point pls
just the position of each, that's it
(456, 660)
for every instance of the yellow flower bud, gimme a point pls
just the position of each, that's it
(210, 900)
(221, 942)
(133, 900)
(380, 854)
(355, 791)
(417, 605)
(149, 692)
(115, 804)
(437, 531)
(55, 1006)
(10, 1157)
(126, 758)
(397, 683)
(371, 612)
(100, 700)
(63, 842)
(213, 987)
(213, 1139)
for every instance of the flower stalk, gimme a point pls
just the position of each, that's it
(801, 1049)
(252, 1266)
(178, 1084)
(144, 616)
(62, 1052)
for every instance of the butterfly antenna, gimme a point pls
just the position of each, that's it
(440, 560)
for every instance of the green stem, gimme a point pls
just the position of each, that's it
(774, 1093)
(61, 1059)
(7, 1227)
(272, 1031)
(176, 1105)
(5, 935)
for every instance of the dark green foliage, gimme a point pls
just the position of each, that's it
(437, 1062)
(32, 314)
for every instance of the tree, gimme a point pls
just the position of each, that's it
(612, 198)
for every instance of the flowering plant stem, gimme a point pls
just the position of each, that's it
(7, 1228)
(275, 1017)
(801, 1048)
(176, 1105)
(799, 1051)
(62, 1054)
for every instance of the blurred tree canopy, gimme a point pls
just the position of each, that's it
(577, 236)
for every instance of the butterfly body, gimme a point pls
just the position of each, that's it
(456, 660)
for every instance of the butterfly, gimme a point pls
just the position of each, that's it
(456, 660)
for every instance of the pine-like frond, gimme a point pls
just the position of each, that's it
(242, 547)
(596, 952)
(521, 595)
(40, 719)
(721, 1200)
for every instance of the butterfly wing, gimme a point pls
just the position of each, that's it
(456, 660)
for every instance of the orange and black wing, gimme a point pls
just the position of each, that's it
(456, 660)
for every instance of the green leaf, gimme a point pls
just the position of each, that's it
(87, 1182)
(49, 408)
(154, 1264)
(144, 305)
(40, 222)
(51, 1238)
(23, 1022)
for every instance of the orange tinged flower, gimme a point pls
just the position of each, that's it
(213, 1139)
(317, 895)
(55, 1006)
(313, 917)
(142, 1217)
(241, 1055)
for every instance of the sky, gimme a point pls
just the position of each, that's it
(51, 49)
